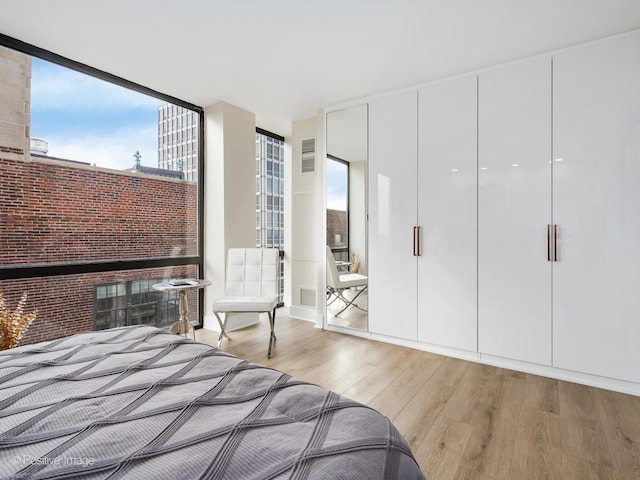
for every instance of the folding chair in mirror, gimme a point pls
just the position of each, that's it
(338, 283)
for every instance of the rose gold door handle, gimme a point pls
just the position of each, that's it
(548, 242)
(555, 243)
(417, 231)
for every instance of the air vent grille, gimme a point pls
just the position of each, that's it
(309, 155)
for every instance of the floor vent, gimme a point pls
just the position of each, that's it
(307, 297)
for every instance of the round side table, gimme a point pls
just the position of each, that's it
(182, 286)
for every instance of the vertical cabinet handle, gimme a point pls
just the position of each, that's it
(548, 242)
(419, 242)
(417, 251)
(555, 243)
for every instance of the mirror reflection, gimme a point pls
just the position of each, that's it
(346, 184)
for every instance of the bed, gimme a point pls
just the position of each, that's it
(138, 402)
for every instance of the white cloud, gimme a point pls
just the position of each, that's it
(55, 87)
(112, 150)
(336, 200)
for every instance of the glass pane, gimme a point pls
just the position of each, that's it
(95, 171)
(69, 304)
(337, 205)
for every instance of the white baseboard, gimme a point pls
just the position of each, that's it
(613, 384)
(303, 313)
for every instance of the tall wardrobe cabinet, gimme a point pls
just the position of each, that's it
(504, 212)
(447, 213)
(393, 194)
(422, 214)
(596, 189)
(514, 211)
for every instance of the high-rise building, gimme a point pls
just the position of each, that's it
(178, 131)
(177, 150)
(269, 191)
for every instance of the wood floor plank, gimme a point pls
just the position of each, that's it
(490, 448)
(354, 361)
(464, 473)
(463, 420)
(576, 468)
(469, 402)
(379, 379)
(537, 452)
(422, 410)
(391, 401)
(581, 427)
(441, 451)
(542, 393)
(621, 423)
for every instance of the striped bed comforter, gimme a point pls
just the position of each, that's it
(138, 402)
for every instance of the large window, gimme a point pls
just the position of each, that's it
(269, 190)
(270, 194)
(134, 302)
(91, 218)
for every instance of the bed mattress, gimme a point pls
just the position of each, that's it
(138, 402)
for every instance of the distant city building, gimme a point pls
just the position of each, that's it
(269, 191)
(178, 140)
(178, 150)
(158, 172)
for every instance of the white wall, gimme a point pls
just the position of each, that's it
(305, 249)
(229, 197)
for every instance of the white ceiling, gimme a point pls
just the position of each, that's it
(284, 59)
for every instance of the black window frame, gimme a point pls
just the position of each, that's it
(13, 272)
(346, 248)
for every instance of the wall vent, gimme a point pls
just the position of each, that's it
(309, 155)
(307, 297)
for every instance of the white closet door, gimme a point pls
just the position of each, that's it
(597, 208)
(514, 209)
(447, 213)
(392, 215)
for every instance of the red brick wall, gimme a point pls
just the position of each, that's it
(54, 212)
(336, 223)
(65, 303)
(57, 212)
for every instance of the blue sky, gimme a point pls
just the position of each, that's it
(336, 185)
(86, 119)
(90, 120)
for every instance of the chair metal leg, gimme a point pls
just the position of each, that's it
(272, 336)
(223, 326)
(332, 292)
(348, 302)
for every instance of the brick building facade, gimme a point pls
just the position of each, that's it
(60, 212)
(336, 228)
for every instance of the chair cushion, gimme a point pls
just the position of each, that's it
(352, 280)
(245, 304)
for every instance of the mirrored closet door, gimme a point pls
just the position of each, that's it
(346, 210)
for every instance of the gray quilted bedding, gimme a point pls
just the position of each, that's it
(141, 403)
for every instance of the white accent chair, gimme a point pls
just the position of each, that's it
(251, 286)
(337, 283)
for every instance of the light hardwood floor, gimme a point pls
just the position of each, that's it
(462, 420)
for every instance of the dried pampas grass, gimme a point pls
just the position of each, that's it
(13, 324)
